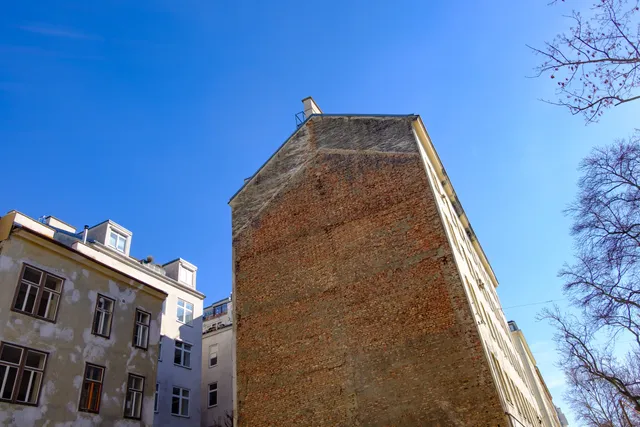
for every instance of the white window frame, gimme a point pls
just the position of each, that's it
(209, 391)
(136, 395)
(103, 314)
(181, 398)
(22, 370)
(140, 327)
(183, 350)
(119, 237)
(188, 276)
(160, 348)
(52, 298)
(213, 350)
(186, 307)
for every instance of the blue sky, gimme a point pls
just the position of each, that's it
(151, 113)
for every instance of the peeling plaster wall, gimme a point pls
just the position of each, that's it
(169, 374)
(70, 343)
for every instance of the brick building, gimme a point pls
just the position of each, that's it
(361, 294)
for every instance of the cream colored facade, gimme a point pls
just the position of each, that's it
(54, 340)
(172, 393)
(217, 364)
(534, 378)
(179, 374)
(518, 399)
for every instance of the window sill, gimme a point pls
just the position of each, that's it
(212, 406)
(180, 416)
(132, 418)
(106, 337)
(18, 403)
(26, 313)
(113, 248)
(145, 349)
(213, 366)
(89, 411)
(185, 324)
(182, 366)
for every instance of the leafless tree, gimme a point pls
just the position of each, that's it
(596, 403)
(601, 343)
(596, 64)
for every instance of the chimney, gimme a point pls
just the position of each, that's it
(310, 107)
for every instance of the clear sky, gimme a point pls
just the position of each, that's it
(151, 113)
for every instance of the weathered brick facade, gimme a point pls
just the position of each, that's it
(350, 310)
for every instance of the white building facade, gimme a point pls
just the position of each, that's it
(177, 397)
(217, 365)
(176, 401)
(534, 377)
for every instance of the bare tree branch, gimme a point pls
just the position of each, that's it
(604, 284)
(596, 64)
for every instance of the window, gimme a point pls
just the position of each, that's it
(160, 349)
(474, 298)
(213, 395)
(117, 241)
(38, 293)
(102, 317)
(501, 377)
(180, 402)
(185, 312)
(186, 276)
(141, 331)
(21, 371)
(207, 313)
(91, 389)
(133, 403)
(221, 309)
(155, 400)
(213, 355)
(182, 354)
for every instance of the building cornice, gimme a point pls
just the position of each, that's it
(525, 345)
(223, 300)
(211, 332)
(425, 140)
(68, 252)
(135, 264)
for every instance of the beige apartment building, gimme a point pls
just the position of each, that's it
(361, 293)
(79, 339)
(534, 378)
(217, 365)
(95, 336)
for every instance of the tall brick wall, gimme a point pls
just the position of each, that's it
(349, 307)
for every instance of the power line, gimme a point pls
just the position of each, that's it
(535, 303)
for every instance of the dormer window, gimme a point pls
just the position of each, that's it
(182, 271)
(186, 276)
(117, 241)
